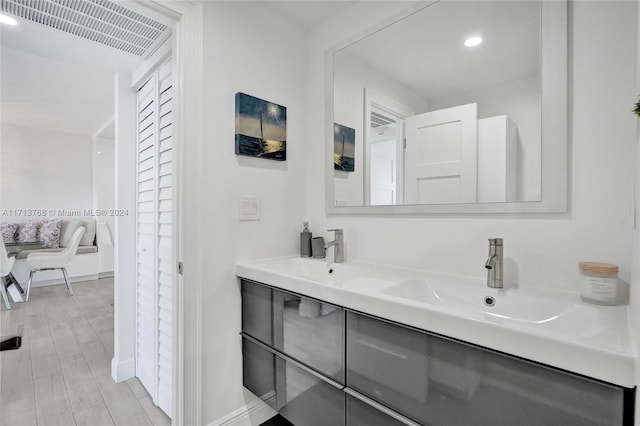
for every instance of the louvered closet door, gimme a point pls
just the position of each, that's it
(165, 237)
(155, 237)
(146, 217)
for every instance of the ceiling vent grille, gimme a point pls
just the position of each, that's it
(378, 120)
(100, 21)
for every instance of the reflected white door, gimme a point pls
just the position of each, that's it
(384, 119)
(441, 156)
(383, 172)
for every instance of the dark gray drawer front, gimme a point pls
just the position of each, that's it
(305, 329)
(257, 311)
(298, 395)
(310, 332)
(259, 372)
(440, 382)
(362, 414)
(309, 401)
(387, 363)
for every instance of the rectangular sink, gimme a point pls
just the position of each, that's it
(318, 270)
(555, 310)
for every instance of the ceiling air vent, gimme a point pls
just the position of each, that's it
(378, 120)
(97, 20)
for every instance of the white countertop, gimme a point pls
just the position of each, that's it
(550, 326)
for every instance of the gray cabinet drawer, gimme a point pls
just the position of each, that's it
(311, 332)
(360, 413)
(257, 311)
(298, 394)
(305, 329)
(440, 382)
(259, 372)
(308, 401)
(388, 363)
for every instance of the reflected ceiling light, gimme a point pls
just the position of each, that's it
(473, 41)
(4, 19)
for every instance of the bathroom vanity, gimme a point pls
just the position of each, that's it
(357, 344)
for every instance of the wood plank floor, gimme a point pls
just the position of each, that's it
(61, 375)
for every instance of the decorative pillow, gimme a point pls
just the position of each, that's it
(50, 233)
(67, 229)
(28, 232)
(8, 231)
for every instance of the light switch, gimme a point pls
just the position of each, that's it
(249, 208)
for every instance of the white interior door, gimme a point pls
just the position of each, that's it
(383, 173)
(441, 156)
(383, 114)
(155, 237)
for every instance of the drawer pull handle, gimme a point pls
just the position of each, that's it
(402, 419)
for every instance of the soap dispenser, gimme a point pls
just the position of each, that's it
(305, 241)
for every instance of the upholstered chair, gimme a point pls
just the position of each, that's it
(49, 261)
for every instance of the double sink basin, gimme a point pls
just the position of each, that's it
(545, 325)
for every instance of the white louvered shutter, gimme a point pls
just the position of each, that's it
(165, 237)
(155, 237)
(146, 224)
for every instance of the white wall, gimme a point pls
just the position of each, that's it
(104, 197)
(247, 48)
(44, 169)
(543, 249)
(123, 362)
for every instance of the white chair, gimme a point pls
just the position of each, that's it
(58, 260)
(6, 264)
(105, 235)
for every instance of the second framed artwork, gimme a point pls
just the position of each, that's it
(261, 128)
(344, 148)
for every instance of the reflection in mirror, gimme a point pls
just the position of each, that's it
(446, 107)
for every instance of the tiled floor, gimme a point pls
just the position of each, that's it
(62, 373)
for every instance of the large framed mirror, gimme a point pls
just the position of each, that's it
(453, 107)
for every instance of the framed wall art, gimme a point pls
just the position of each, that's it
(344, 148)
(261, 128)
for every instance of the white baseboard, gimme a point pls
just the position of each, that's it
(253, 413)
(122, 370)
(108, 274)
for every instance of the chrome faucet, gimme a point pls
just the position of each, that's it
(494, 263)
(338, 255)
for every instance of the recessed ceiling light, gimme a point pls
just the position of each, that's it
(473, 41)
(4, 19)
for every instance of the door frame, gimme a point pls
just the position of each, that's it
(187, 52)
(187, 308)
(375, 101)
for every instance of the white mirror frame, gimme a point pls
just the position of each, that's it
(554, 77)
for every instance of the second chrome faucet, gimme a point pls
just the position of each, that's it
(494, 263)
